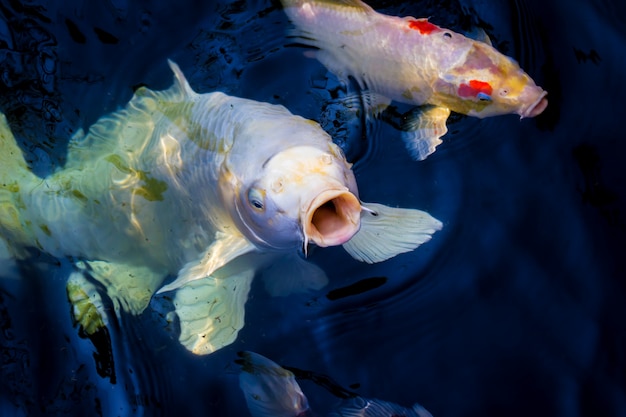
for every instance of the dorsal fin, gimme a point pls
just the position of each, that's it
(179, 79)
(112, 134)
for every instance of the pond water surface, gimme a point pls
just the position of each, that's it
(516, 307)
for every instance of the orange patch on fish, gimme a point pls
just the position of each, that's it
(423, 26)
(474, 88)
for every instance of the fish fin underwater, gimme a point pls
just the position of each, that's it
(130, 287)
(422, 131)
(388, 231)
(133, 123)
(211, 311)
(273, 391)
(223, 250)
(88, 309)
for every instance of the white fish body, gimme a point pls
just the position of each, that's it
(272, 391)
(206, 188)
(413, 61)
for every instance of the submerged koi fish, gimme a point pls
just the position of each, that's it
(193, 186)
(414, 61)
(272, 391)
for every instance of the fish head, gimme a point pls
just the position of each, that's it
(302, 194)
(485, 82)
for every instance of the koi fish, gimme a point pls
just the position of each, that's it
(413, 61)
(206, 188)
(272, 391)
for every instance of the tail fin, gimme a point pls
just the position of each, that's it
(14, 173)
(11, 157)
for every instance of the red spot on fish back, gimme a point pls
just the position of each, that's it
(474, 88)
(423, 26)
(481, 86)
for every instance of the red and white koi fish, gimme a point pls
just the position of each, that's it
(414, 61)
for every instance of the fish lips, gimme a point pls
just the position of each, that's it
(537, 107)
(332, 217)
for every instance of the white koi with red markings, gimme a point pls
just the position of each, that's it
(414, 61)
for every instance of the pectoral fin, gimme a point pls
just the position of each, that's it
(211, 311)
(423, 130)
(225, 248)
(130, 288)
(388, 231)
(88, 310)
(292, 274)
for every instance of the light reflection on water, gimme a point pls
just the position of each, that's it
(512, 309)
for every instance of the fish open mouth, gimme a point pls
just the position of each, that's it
(536, 108)
(333, 217)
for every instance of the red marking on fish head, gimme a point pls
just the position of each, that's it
(423, 26)
(474, 88)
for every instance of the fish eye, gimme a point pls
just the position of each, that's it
(503, 92)
(256, 198)
(447, 35)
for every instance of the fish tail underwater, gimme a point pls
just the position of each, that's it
(15, 176)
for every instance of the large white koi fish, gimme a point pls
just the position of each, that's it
(205, 188)
(416, 62)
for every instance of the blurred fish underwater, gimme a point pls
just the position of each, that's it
(514, 308)
(272, 391)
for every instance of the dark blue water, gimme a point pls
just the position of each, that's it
(517, 307)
